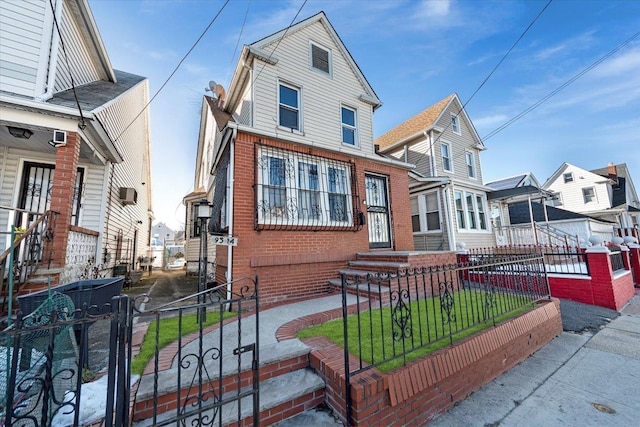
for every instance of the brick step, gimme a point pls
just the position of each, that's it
(369, 290)
(378, 266)
(389, 256)
(276, 360)
(281, 397)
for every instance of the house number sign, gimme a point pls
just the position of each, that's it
(224, 240)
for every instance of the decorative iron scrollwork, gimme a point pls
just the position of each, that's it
(401, 315)
(447, 302)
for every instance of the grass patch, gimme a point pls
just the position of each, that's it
(168, 332)
(427, 329)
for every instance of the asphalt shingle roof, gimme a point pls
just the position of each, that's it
(415, 124)
(503, 184)
(93, 95)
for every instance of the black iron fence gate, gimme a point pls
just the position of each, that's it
(198, 363)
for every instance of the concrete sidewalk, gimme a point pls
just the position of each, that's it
(576, 380)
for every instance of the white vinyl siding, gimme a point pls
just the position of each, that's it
(320, 96)
(571, 193)
(83, 65)
(133, 171)
(22, 33)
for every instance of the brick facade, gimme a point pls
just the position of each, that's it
(602, 287)
(298, 264)
(64, 184)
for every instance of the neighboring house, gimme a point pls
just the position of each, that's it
(448, 199)
(296, 179)
(563, 227)
(605, 193)
(70, 143)
(162, 235)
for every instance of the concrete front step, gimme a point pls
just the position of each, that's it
(281, 397)
(378, 266)
(275, 360)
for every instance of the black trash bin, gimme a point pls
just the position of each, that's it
(95, 293)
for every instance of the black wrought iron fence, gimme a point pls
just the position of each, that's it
(617, 262)
(420, 310)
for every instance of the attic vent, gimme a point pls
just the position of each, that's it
(320, 59)
(128, 196)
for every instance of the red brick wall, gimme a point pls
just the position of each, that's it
(64, 184)
(634, 260)
(419, 392)
(312, 257)
(601, 288)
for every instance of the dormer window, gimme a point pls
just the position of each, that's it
(320, 58)
(455, 124)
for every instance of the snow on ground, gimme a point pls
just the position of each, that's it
(93, 403)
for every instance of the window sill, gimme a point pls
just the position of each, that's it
(290, 130)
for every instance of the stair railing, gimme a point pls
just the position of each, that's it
(25, 255)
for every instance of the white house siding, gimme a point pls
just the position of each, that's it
(419, 154)
(244, 113)
(22, 29)
(92, 196)
(571, 192)
(321, 95)
(77, 57)
(459, 145)
(132, 172)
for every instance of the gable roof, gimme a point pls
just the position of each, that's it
(425, 121)
(561, 170)
(519, 213)
(505, 183)
(418, 123)
(255, 49)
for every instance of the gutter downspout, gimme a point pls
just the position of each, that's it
(230, 184)
(447, 213)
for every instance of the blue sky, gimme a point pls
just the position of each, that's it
(414, 53)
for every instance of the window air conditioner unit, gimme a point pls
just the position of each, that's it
(128, 196)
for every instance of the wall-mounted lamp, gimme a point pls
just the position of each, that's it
(21, 133)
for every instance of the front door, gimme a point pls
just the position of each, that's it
(35, 194)
(378, 211)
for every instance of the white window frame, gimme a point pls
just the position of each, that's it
(292, 189)
(455, 124)
(471, 214)
(594, 198)
(449, 157)
(424, 212)
(329, 59)
(353, 127)
(471, 164)
(567, 177)
(298, 89)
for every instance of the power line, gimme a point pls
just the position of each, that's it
(526, 30)
(561, 87)
(174, 70)
(244, 21)
(280, 39)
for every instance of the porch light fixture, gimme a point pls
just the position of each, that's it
(21, 133)
(204, 210)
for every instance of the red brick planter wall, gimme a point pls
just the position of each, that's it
(420, 391)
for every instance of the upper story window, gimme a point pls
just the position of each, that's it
(349, 130)
(455, 124)
(296, 190)
(320, 58)
(289, 106)
(447, 164)
(471, 164)
(568, 177)
(589, 195)
(470, 211)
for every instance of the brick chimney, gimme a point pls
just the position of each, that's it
(612, 172)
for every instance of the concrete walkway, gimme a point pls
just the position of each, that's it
(576, 380)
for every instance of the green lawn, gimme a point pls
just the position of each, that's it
(427, 326)
(169, 331)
